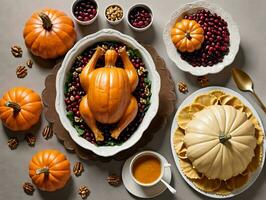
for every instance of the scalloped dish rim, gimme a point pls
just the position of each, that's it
(174, 126)
(79, 47)
(175, 56)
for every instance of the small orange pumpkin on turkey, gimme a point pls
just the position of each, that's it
(109, 89)
(20, 108)
(187, 35)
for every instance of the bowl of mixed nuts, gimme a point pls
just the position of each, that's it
(114, 14)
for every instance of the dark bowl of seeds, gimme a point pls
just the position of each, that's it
(70, 92)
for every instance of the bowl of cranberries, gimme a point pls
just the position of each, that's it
(140, 17)
(201, 38)
(84, 12)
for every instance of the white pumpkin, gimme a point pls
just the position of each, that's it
(220, 141)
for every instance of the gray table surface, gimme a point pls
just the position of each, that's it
(250, 17)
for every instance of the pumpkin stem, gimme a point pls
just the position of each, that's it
(46, 21)
(16, 107)
(44, 170)
(224, 138)
(188, 36)
(110, 58)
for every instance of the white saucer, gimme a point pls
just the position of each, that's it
(144, 192)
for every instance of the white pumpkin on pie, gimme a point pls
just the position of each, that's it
(220, 142)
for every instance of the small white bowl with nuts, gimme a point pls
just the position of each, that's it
(114, 14)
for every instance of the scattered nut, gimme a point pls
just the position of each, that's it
(30, 139)
(21, 71)
(182, 87)
(13, 143)
(28, 188)
(29, 63)
(114, 13)
(47, 132)
(203, 81)
(141, 71)
(78, 168)
(113, 180)
(16, 51)
(84, 192)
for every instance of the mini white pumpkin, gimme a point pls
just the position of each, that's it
(220, 141)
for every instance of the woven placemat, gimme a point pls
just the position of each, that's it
(166, 108)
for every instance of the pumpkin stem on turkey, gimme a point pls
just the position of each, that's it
(16, 107)
(188, 36)
(44, 170)
(46, 21)
(224, 138)
(110, 58)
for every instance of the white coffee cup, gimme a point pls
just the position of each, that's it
(160, 178)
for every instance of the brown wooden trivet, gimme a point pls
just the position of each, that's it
(166, 108)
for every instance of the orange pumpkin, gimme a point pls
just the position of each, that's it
(49, 170)
(49, 33)
(109, 90)
(20, 108)
(187, 35)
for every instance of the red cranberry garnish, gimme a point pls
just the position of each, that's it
(85, 10)
(140, 17)
(216, 41)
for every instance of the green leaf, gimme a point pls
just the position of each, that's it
(133, 53)
(79, 130)
(70, 116)
(69, 77)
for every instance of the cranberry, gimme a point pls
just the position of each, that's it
(216, 43)
(85, 10)
(140, 17)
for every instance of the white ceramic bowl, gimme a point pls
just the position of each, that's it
(116, 21)
(80, 46)
(140, 29)
(84, 22)
(192, 8)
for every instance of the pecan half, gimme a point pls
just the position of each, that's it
(203, 81)
(78, 168)
(182, 87)
(16, 51)
(84, 192)
(47, 132)
(30, 139)
(21, 71)
(29, 63)
(13, 143)
(28, 188)
(113, 180)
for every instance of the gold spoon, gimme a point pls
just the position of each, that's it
(244, 83)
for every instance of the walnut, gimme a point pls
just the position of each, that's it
(13, 143)
(78, 168)
(29, 63)
(21, 71)
(16, 51)
(182, 87)
(203, 81)
(84, 192)
(28, 188)
(30, 139)
(113, 180)
(47, 132)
